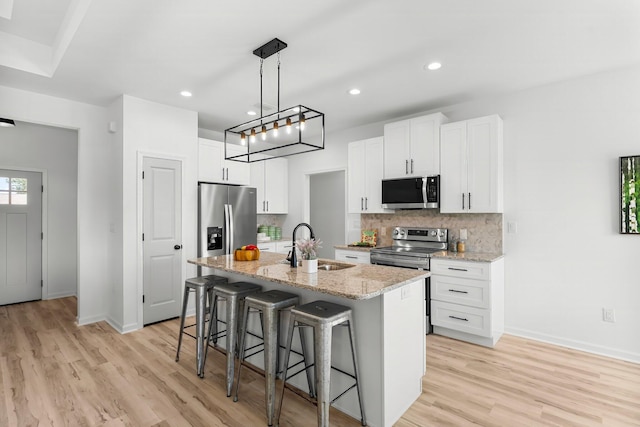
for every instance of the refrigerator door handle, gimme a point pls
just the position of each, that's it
(226, 228)
(231, 231)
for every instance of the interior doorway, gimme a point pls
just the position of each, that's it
(20, 236)
(327, 210)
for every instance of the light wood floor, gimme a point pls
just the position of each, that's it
(53, 372)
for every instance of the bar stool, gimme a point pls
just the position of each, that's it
(322, 316)
(233, 294)
(270, 305)
(203, 286)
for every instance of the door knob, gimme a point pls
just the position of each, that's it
(177, 247)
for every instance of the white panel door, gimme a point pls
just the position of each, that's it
(162, 246)
(20, 236)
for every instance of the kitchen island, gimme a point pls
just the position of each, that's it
(388, 307)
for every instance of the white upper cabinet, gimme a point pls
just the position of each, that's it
(412, 147)
(270, 177)
(364, 175)
(212, 166)
(472, 166)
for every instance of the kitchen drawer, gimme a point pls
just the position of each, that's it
(359, 257)
(269, 247)
(474, 293)
(465, 269)
(476, 321)
(283, 247)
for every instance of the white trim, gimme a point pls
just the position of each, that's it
(141, 155)
(576, 345)
(44, 268)
(307, 196)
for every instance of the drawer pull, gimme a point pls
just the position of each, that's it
(457, 269)
(351, 257)
(457, 291)
(459, 318)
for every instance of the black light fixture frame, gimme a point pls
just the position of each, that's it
(7, 122)
(286, 145)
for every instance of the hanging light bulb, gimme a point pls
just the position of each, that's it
(275, 129)
(288, 125)
(243, 138)
(252, 137)
(302, 120)
(264, 133)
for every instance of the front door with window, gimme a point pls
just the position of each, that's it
(20, 236)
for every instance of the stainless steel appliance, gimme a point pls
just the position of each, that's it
(412, 247)
(227, 218)
(411, 193)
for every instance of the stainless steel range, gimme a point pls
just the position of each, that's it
(411, 247)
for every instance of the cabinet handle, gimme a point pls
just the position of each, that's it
(462, 201)
(351, 257)
(457, 291)
(406, 167)
(411, 165)
(366, 203)
(457, 269)
(267, 206)
(458, 318)
(223, 174)
(361, 203)
(469, 201)
(263, 208)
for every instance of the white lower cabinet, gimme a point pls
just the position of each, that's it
(358, 257)
(467, 300)
(279, 246)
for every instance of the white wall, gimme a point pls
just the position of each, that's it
(54, 151)
(158, 130)
(567, 260)
(93, 173)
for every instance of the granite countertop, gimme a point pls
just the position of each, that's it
(362, 281)
(462, 256)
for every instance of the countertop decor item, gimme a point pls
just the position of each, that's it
(289, 131)
(369, 237)
(308, 248)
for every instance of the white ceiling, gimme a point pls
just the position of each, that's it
(95, 50)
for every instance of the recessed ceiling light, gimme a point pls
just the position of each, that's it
(186, 93)
(251, 113)
(354, 91)
(434, 66)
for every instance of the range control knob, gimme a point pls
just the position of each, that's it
(434, 233)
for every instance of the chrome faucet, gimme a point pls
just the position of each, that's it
(294, 260)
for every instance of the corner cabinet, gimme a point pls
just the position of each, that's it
(270, 177)
(412, 147)
(364, 176)
(212, 166)
(471, 163)
(467, 300)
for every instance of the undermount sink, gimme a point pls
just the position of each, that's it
(327, 265)
(332, 266)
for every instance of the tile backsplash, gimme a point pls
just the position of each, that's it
(484, 231)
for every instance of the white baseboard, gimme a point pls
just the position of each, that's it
(576, 345)
(123, 329)
(89, 319)
(60, 295)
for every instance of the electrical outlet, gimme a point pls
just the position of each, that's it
(608, 315)
(463, 234)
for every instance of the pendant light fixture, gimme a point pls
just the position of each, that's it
(303, 126)
(7, 123)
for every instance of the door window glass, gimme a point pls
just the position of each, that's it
(13, 191)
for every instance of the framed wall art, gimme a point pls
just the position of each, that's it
(629, 194)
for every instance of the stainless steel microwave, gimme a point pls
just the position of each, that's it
(411, 193)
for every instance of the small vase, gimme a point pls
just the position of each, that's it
(310, 265)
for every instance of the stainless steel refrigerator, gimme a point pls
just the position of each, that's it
(226, 218)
